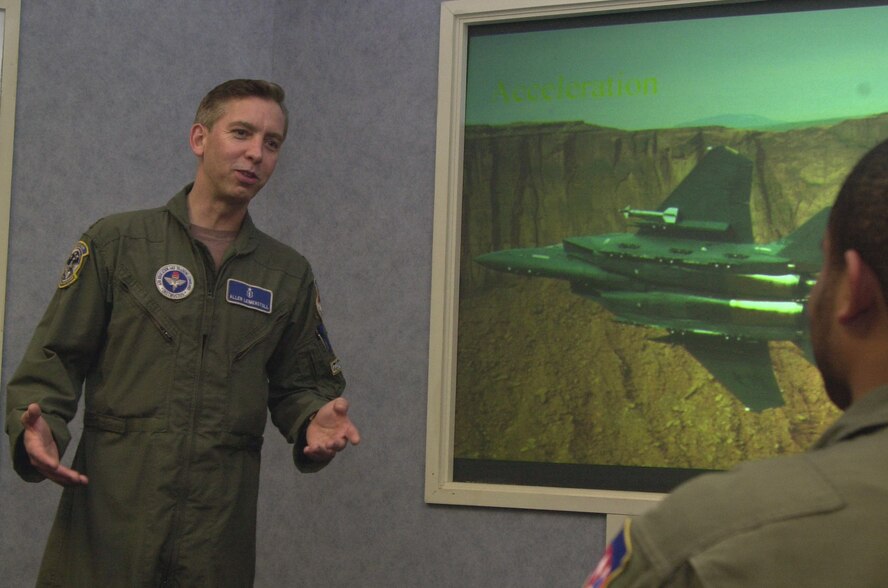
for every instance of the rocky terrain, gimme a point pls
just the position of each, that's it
(548, 376)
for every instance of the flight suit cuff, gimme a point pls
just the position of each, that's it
(21, 463)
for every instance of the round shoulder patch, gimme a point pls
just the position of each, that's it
(174, 281)
(74, 264)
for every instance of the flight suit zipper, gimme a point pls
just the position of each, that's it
(200, 260)
(203, 260)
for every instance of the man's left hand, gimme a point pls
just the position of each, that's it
(330, 431)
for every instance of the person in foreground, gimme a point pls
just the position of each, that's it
(815, 519)
(184, 325)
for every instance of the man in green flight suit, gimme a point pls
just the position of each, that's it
(815, 519)
(184, 325)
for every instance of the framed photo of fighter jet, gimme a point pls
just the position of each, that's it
(630, 199)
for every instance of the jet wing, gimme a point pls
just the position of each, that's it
(715, 193)
(743, 367)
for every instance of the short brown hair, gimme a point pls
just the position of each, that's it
(859, 217)
(213, 104)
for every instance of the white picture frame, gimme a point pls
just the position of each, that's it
(457, 18)
(440, 488)
(10, 18)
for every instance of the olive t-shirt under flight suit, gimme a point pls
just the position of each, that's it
(815, 519)
(181, 364)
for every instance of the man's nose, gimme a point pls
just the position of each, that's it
(254, 150)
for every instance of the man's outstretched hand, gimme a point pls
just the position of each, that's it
(43, 451)
(330, 431)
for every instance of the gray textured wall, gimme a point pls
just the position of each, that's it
(106, 92)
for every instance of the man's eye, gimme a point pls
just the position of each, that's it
(273, 145)
(240, 133)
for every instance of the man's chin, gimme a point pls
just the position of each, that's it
(240, 196)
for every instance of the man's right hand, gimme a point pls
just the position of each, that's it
(43, 451)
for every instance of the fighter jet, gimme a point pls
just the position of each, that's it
(693, 269)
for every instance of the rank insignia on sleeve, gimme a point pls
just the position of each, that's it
(614, 560)
(74, 264)
(318, 303)
(174, 281)
(321, 331)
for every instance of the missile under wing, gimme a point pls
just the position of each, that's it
(692, 269)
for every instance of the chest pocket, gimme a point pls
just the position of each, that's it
(139, 355)
(247, 377)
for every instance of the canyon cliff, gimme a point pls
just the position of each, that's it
(545, 375)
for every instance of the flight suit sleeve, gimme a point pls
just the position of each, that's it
(638, 574)
(626, 564)
(304, 373)
(62, 349)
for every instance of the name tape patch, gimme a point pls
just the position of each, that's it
(248, 295)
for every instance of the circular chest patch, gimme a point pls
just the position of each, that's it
(174, 281)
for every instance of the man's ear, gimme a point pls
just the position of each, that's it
(862, 288)
(197, 138)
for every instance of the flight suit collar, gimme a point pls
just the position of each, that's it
(866, 415)
(247, 239)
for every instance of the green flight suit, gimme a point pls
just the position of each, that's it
(814, 519)
(177, 389)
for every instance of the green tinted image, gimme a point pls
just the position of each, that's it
(752, 71)
(642, 209)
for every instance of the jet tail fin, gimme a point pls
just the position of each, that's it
(716, 192)
(803, 244)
